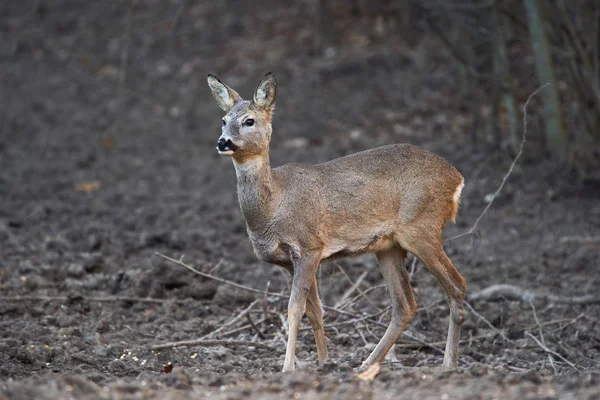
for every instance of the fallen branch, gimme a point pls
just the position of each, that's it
(488, 323)
(260, 333)
(549, 351)
(360, 291)
(579, 239)
(351, 290)
(356, 298)
(508, 292)
(423, 343)
(418, 345)
(508, 173)
(209, 343)
(537, 321)
(266, 305)
(92, 299)
(216, 278)
(233, 321)
(253, 290)
(240, 329)
(515, 293)
(350, 321)
(569, 321)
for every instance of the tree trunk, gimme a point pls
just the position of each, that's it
(556, 138)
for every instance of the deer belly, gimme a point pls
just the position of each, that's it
(340, 248)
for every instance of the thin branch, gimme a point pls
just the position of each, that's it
(537, 322)
(570, 321)
(265, 305)
(92, 299)
(251, 289)
(508, 173)
(356, 286)
(351, 290)
(547, 350)
(432, 346)
(207, 343)
(515, 293)
(353, 300)
(240, 329)
(260, 333)
(418, 345)
(216, 278)
(350, 321)
(488, 323)
(233, 321)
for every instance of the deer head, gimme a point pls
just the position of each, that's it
(246, 130)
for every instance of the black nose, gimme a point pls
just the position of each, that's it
(225, 145)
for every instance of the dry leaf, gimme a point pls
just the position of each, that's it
(167, 368)
(370, 373)
(87, 186)
(108, 142)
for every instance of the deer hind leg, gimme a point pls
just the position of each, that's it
(432, 255)
(314, 312)
(393, 268)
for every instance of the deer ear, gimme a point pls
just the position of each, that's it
(226, 97)
(266, 92)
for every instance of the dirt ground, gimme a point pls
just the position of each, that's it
(107, 156)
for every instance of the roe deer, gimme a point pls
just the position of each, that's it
(389, 201)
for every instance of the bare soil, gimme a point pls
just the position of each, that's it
(107, 136)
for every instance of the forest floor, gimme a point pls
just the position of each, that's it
(107, 157)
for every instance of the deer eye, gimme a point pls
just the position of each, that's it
(249, 122)
(224, 123)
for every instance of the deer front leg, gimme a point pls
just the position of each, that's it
(305, 269)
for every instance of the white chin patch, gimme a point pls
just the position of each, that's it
(226, 152)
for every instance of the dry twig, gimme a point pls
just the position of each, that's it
(508, 173)
(515, 293)
(351, 290)
(216, 278)
(350, 321)
(418, 345)
(258, 331)
(547, 350)
(240, 329)
(362, 293)
(353, 300)
(253, 290)
(92, 299)
(488, 323)
(206, 343)
(266, 304)
(233, 321)
(537, 322)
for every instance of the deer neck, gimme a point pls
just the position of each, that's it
(258, 191)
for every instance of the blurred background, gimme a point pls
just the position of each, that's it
(107, 155)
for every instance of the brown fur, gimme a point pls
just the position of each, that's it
(389, 201)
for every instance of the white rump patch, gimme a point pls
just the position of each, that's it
(458, 191)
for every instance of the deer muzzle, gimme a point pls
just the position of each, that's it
(226, 147)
